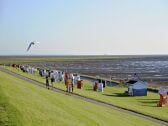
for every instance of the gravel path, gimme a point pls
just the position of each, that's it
(162, 122)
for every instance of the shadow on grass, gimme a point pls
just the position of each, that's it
(117, 95)
(147, 105)
(148, 102)
(148, 99)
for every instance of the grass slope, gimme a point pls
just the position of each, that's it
(9, 115)
(22, 103)
(114, 95)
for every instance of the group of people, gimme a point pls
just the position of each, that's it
(53, 76)
(67, 77)
(69, 86)
(47, 82)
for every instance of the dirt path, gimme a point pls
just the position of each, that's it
(162, 122)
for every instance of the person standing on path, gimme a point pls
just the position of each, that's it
(66, 80)
(47, 82)
(52, 81)
(72, 82)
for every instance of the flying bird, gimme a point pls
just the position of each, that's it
(32, 43)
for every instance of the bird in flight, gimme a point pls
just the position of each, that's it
(32, 43)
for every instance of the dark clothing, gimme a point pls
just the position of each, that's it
(47, 83)
(72, 84)
(72, 87)
(52, 80)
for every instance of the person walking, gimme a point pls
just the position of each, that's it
(47, 82)
(66, 79)
(52, 81)
(72, 82)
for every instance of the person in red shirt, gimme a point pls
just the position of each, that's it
(66, 80)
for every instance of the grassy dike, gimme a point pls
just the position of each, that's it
(114, 95)
(22, 103)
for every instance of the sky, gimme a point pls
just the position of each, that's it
(84, 27)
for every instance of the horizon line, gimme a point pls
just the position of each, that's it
(88, 55)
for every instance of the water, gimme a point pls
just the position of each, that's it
(147, 68)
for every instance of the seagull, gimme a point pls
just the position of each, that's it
(32, 43)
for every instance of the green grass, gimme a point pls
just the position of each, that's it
(22, 103)
(9, 115)
(114, 95)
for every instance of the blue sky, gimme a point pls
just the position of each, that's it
(83, 27)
